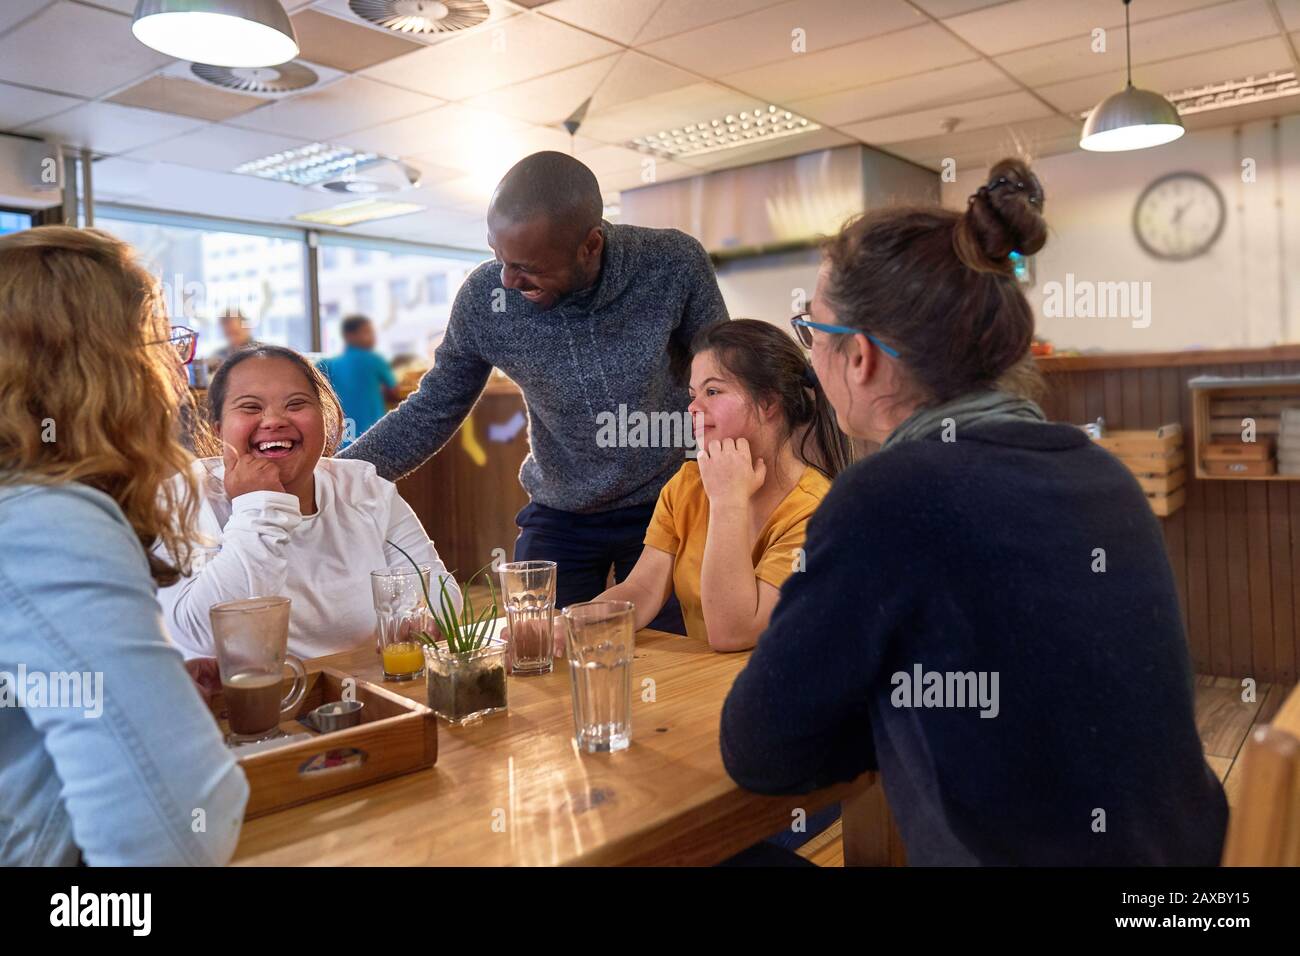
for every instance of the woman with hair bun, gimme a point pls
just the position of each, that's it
(987, 614)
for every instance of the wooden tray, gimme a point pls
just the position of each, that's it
(1237, 450)
(395, 736)
(1240, 468)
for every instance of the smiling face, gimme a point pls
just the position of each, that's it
(540, 261)
(272, 411)
(720, 407)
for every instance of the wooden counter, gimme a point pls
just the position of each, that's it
(1102, 361)
(513, 788)
(468, 494)
(1235, 545)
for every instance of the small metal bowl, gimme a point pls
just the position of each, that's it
(336, 715)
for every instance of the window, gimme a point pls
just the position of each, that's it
(14, 221)
(208, 268)
(363, 300)
(437, 288)
(415, 287)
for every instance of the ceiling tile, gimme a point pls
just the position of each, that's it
(610, 81)
(678, 16)
(109, 128)
(449, 131)
(519, 48)
(951, 8)
(218, 148)
(170, 94)
(1163, 39)
(696, 103)
(19, 106)
(346, 46)
(984, 147)
(1025, 23)
(767, 35)
(767, 151)
(30, 54)
(13, 11)
(617, 20)
(487, 151)
(351, 103)
(973, 80)
(1170, 76)
(186, 189)
(1290, 10)
(120, 6)
(854, 64)
(976, 114)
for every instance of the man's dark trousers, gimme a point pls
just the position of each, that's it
(585, 547)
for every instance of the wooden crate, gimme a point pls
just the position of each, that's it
(1218, 407)
(1163, 484)
(1155, 456)
(1145, 443)
(395, 736)
(1165, 505)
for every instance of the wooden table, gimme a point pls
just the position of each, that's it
(513, 788)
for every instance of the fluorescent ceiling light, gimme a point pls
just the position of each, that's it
(219, 32)
(1229, 93)
(362, 210)
(310, 165)
(1221, 96)
(745, 128)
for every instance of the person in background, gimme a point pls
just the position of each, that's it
(952, 629)
(90, 387)
(362, 379)
(587, 317)
(728, 528)
(288, 518)
(235, 329)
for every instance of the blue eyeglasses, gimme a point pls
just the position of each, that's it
(803, 327)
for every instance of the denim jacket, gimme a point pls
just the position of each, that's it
(108, 754)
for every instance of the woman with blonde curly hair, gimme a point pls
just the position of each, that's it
(113, 767)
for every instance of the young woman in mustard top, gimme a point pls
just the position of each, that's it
(728, 528)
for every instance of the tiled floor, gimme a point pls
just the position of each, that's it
(1222, 718)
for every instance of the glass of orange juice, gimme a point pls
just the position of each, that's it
(402, 616)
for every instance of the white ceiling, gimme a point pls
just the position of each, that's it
(889, 73)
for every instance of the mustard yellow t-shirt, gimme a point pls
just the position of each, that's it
(680, 525)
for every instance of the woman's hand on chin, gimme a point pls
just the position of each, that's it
(245, 472)
(730, 476)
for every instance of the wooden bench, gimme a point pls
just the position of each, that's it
(1264, 828)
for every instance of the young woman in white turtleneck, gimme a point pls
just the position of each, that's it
(289, 521)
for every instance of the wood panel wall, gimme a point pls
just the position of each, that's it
(1233, 546)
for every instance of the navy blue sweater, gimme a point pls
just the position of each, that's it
(975, 557)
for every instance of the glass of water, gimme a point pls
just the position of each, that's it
(528, 593)
(601, 640)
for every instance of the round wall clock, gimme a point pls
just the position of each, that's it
(1179, 216)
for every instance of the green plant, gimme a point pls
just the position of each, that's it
(465, 631)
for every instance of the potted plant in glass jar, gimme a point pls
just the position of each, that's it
(466, 667)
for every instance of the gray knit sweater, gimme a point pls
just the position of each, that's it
(592, 352)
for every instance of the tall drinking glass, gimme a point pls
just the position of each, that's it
(401, 615)
(252, 637)
(601, 641)
(528, 593)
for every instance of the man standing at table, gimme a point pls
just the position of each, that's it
(585, 316)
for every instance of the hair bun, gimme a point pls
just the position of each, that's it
(1004, 215)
